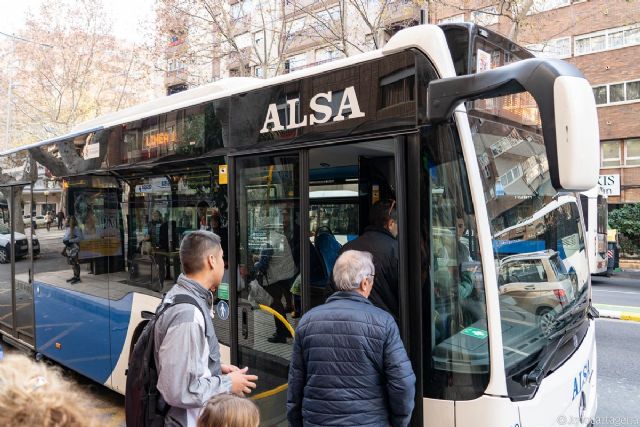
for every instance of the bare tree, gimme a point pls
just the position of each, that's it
(519, 20)
(71, 70)
(246, 35)
(354, 26)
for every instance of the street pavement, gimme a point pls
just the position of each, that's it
(618, 343)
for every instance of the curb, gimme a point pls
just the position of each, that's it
(621, 315)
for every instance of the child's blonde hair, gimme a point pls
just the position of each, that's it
(33, 394)
(229, 410)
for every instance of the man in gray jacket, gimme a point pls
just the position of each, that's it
(187, 352)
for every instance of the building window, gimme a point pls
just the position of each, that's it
(555, 48)
(259, 72)
(511, 176)
(326, 19)
(632, 90)
(241, 9)
(540, 6)
(600, 94)
(296, 62)
(327, 55)
(617, 92)
(485, 16)
(295, 27)
(452, 19)
(243, 40)
(610, 154)
(632, 152)
(613, 38)
(258, 39)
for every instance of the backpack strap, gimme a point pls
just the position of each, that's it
(184, 299)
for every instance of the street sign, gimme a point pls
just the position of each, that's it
(609, 185)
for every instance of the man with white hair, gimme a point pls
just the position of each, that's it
(348, 366)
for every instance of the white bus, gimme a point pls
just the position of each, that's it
(452, 123)
(595, 214)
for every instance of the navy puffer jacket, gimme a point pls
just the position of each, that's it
(349, 367)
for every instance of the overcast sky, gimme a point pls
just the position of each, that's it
(126, 15)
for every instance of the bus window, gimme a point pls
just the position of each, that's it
(344, 183)
(456, 355)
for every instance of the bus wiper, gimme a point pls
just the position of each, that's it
(570, 313)
(535, 377)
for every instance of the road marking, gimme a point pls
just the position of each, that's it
(616, 292)
(617, 307)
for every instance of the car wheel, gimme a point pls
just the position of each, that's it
(546, 320)
(4, 256)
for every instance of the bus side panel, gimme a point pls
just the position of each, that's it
(487, 411)
(72, 328)
(567, 393)
(438, 413)
(126, 315)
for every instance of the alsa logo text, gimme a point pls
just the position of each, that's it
(320, 104)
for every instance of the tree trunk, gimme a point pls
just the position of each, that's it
(17, 204)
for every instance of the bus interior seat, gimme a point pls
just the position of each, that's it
(328, 247)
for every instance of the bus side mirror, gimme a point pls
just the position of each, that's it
(565, 102)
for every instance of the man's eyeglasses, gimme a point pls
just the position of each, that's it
(393, 205)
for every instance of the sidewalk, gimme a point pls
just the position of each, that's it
(621, 312)
(627, 273)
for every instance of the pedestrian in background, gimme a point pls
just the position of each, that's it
(380, 239)
(71, 239)
(33, 394)
(60, 220)
(349, 366)
(228, 410)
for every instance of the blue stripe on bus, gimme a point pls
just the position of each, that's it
(79, 324)
(512, 247)
(517, 246)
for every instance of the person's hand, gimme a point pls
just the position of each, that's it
(241, 383)
(227, 369)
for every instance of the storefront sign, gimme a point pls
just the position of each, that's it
(609, 185)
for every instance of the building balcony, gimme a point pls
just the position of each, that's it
(400, 11)
(174, 77)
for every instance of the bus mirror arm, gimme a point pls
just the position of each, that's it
(564, 100)
(536, 76)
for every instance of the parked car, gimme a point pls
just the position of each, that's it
(538, 283)
(21, 242)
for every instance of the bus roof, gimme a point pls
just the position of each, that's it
(428, 38)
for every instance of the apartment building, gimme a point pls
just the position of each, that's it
(264, 38)
(602, 38)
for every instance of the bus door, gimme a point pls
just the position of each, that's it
(18, 241)
(344, 182)
(267, 199)
(293, 214)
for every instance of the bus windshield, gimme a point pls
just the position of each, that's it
(538, 239)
